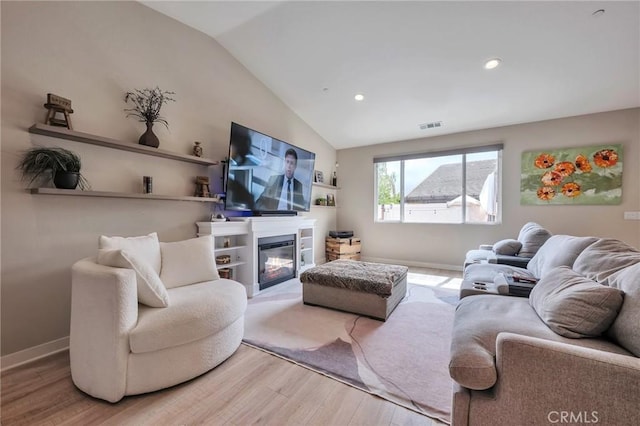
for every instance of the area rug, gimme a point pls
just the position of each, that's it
(403, 360)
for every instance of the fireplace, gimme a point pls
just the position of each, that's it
(276, 260)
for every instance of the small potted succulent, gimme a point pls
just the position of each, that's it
(146, 107)
(57, 164)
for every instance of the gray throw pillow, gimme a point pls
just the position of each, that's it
(532, 236)
(509, 247)
(574, 306)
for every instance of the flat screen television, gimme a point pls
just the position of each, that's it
(266, 175)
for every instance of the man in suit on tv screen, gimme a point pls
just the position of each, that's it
(283, 192)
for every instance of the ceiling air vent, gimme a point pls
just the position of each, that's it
(431, 125)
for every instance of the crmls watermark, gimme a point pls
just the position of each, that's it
(573, 417)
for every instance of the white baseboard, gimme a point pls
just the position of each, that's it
(411, 263)
(31, 354)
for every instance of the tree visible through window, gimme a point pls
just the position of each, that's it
(388, 188)
(459, 186)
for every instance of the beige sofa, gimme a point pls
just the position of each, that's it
(519, 361)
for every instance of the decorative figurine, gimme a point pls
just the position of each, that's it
(197, 149)
(57, 104)
(202, 187)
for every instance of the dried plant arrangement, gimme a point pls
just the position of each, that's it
(147, 103)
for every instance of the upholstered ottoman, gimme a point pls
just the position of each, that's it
(365, 288)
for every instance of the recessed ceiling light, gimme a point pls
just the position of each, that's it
(359, 97)
(492, 63)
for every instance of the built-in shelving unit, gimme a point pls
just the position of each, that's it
(72, 135)
(305, 241)
(324, 186)
(239, 240)
(229, 238)
(106, 194)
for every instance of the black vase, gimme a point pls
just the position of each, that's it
(66, 180)
(149, 138)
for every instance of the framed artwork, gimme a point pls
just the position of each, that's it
(318, 176)
(585, 175)
(331, 200)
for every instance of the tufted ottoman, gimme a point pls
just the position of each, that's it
(365, 288)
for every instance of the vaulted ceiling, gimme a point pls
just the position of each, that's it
(419, 62)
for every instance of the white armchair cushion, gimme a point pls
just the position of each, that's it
(188, 262)
(151, 291)
(196, 311)
(146, 248)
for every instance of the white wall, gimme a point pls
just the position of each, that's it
(442, 244)
(92, 53)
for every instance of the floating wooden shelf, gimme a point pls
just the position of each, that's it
(324, 185)
(72, 135)
(105, 194)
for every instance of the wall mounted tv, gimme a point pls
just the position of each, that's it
(266, 175)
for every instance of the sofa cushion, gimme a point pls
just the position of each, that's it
(605, 257)
(626, 328)
(196, 311)
(509, 247)
(151, 291)
(575, 306)
(146, 248)
(476, 256)
(532, 236)
(477, 323)
(559, 250)
(188, 262)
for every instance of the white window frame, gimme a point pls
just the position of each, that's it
(499, 147)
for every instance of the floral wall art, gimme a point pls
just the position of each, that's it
(585, 175)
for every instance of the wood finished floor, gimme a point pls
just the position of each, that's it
(251, 387)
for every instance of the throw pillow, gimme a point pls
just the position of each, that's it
(188, 262)
(151, 291)
(532, 236)
(508, 247)
(146, 247)
(574, 306)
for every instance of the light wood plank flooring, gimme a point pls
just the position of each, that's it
(251, 387)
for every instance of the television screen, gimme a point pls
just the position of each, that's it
(265, 174)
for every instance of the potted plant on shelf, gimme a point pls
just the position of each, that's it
(57, 164)
(146, 107)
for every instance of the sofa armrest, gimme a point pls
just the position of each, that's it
(541, 379)
(104, 309)
(503, 259)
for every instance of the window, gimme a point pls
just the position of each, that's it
(457, 186)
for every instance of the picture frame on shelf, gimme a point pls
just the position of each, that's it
(331, 200)
(318, 176)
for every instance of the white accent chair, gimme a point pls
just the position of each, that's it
(119, 346)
